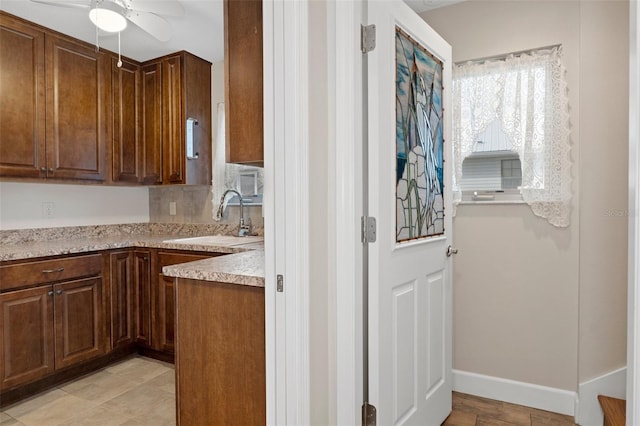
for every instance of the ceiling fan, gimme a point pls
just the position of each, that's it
(112, 15)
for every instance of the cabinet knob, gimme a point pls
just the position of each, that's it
(51, 170)
(50, 293)
(43, 169)
(58, 292)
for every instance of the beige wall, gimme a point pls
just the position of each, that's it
(604, 129)
(534, 303)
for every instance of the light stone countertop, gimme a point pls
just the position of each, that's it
(241, 268)
(33, 249)
(243, 265)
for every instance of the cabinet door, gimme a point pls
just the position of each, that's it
(78, 321)
(142, 283)
(173, 120)
(164, 298)
(122, 294)
(243, 81)
(165, 319)
(26, 327)
(77, 109)
(126, 96)
(152, 123)
(22, 110)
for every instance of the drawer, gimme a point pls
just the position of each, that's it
(44, 271)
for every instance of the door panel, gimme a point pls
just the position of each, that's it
(78, 319)
(22, 133)
(27, 351)
(409, 195)
(77, 114)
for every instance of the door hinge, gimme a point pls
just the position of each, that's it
(367, 38)
(368, 229)
(368, 415)
(279, 283)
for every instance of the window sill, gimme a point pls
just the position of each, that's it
(490, 202)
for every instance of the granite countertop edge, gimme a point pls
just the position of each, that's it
(240, 267)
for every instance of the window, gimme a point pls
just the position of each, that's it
(511, 132)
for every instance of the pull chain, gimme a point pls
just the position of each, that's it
(119, 58)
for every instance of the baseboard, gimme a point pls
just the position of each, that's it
(588, 411)
(521, 393)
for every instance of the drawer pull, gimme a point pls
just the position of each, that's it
(50, 271)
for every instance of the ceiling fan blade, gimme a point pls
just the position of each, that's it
(155, 25)
(64, 3)
(159, 7)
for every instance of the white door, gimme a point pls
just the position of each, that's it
(409, 272)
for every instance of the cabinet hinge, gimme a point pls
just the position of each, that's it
(367, 38)
(368, 414)
(368, 229)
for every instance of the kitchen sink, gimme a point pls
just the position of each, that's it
(217, 240)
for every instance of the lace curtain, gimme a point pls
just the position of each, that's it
(528, 95)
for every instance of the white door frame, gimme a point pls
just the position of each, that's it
(346, 190)
(633, 293)
(285, 210)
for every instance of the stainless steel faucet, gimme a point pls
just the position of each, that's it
(244, 228)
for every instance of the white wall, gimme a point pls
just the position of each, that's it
(75, 205)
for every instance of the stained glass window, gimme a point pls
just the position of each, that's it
(419, 141)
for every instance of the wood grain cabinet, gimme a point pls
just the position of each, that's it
(175, 88)
(164, 299)
(243, 82)
(220, 359)
(55, 105)
(121, 298)
(27, 328)
(127, 159)
(142, 287)
(51, 316)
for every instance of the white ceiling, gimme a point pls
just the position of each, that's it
(199, 31)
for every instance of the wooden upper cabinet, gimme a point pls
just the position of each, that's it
(22, 110)
(77, 102)
(55, 108)
(243, 81)
(126, 96)
(175, 88)
(151, 127)
(172, 119)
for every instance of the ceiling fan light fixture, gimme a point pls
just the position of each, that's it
(107, 20)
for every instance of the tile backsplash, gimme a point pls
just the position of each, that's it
(193, 205)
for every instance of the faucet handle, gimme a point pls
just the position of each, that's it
(245, 227)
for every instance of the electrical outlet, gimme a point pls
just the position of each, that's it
(48, 209)
(172, 208)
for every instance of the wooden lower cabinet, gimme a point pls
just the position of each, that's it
(164, 298)
(48, 328)
(121, 304)
(220, 354)
(78, 321)
(142, 303)
(26, 328)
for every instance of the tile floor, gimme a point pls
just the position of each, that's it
(141, 391)
(134, 392)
